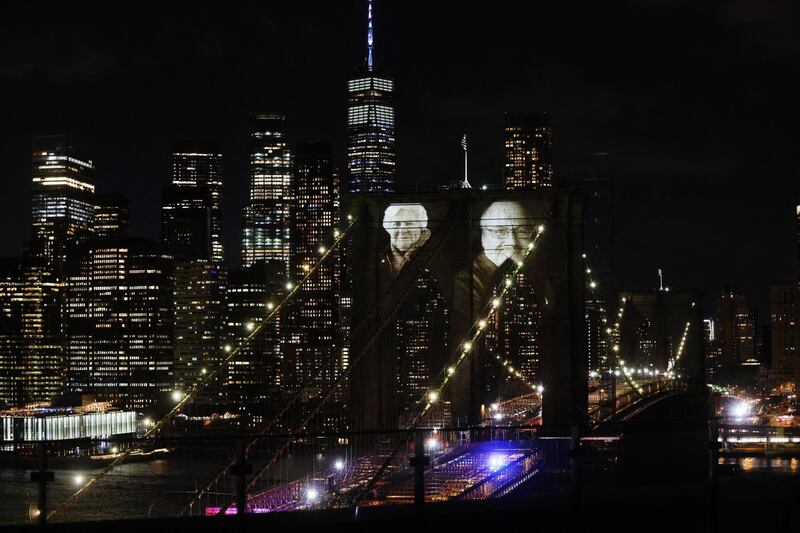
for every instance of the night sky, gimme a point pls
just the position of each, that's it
(696, 104)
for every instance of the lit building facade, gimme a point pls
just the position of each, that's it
(735, 329)
(266, 220)
(420, 348)
(63, 203)
(518, 331)
(199, 299)
(371, 154)
(31, 356)
(784, 302)
(253, 381)
(528, 151)
(186, 222)
(111, 215)
(118, 322)
(312, 339)
(200, 165)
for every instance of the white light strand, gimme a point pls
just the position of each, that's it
(207, 375)
(613, 333)
(478, 328)
(681, 347)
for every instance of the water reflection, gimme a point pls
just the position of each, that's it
(764, 464)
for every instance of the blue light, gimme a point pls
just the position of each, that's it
(496, 461)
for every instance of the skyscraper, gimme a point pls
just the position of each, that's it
(420, 347)
(63, 204)
(797, 236)
(518, 335)
(186, 222)
(784, 309)
(312, 340)
(253, 382)
(199, 299)
(735, 329)
(200, 165)
(266, 217)
(371, 158)
(11, 340)
(31, 358)
(111, 216)
(118, 321)
(528, 151)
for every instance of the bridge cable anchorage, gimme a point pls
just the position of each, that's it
(465, 347)
(208, 376)
(424, 259)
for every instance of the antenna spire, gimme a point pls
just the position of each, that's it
(370, 41)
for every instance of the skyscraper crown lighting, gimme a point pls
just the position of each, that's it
(371, 155)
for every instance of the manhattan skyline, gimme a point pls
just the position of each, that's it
(699, 151)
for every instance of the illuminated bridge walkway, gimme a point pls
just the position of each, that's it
(470, 471)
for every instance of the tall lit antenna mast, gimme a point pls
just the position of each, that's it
(370, 41)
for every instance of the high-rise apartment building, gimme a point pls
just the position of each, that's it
(186, 222)
(266, 218)
(118, 321)
(371, 157)
(197, 164)
(528, 151)
(63, 203)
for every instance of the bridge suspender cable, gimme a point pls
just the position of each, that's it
(206, 378)
(354, 361)
(464, 349)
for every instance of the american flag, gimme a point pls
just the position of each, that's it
(464, 142)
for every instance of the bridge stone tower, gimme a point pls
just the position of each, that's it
(466, 239)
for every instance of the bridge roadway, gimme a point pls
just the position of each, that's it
(459, 470)
(470, 471)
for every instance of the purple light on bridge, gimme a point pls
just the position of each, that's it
(497, 461)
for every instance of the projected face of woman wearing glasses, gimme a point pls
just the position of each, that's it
(506, 230)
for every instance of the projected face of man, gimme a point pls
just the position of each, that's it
(406, 225)
(506, 230)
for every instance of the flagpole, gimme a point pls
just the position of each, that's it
(465, 185)
(466, 180)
